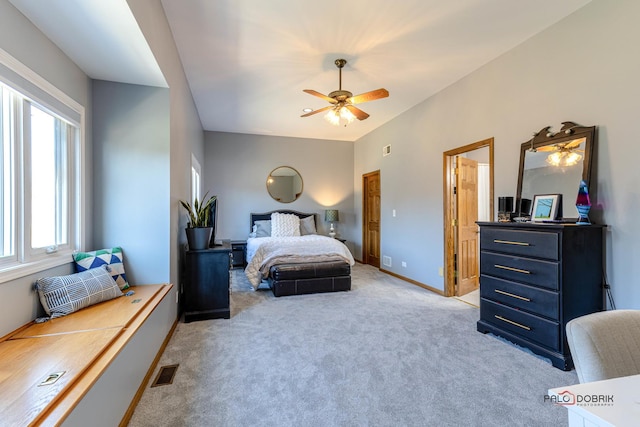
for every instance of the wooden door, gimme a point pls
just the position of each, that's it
(371, 219)
(467, 229)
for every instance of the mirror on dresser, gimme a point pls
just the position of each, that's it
(554, 163)
(284, 184)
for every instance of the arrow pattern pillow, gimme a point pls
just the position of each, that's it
(113, 258)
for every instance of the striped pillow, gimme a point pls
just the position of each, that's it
(62, 295)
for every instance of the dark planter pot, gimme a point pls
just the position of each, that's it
(198, 238)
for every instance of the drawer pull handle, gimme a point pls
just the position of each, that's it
(512, 295)
(517, 270)
(512, 322)
(509, 242)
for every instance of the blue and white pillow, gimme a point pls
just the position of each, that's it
(113, 257)
(62, 295)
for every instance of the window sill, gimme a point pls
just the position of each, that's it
(17, 271)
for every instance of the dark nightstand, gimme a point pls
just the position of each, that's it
(239, 249)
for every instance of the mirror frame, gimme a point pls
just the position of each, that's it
(297, 196)
(568, 132)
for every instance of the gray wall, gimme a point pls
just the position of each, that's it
(185, 128)
(18, 37)
(580, 69)
(131, 176)
(18, 304)
(236, 169)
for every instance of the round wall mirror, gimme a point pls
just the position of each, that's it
(284, 184)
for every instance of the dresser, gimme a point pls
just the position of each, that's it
(534, 278)
(206, 287)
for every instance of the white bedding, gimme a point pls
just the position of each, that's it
(264, 252)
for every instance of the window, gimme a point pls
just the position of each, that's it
(195, 179)
(40, 146)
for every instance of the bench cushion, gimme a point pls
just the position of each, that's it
(309, 270)
(309, 278)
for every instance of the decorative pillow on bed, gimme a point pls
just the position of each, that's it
(308, 225)
(113, 257)
(284, 225)
(262, 228)
(62, 295)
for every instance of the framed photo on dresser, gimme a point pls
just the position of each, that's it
(545, 207)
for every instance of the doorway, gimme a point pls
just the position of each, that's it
(371, 218)
(467, 198)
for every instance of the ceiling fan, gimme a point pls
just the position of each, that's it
(342, 108)
(564, 154)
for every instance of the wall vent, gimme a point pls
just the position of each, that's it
(386, 261)
(386, 150)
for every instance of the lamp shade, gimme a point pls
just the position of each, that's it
(331, 215)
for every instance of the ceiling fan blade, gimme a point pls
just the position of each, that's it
(574, 143)
(368, 96)
(547, 148)
(360, 115)
(318, 111)
(319, 95)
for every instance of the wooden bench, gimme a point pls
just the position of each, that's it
(75, 350)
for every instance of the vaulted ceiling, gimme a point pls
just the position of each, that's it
(248, 61)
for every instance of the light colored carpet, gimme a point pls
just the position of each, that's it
(387, 353)
(472, 298)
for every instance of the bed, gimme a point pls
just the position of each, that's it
(285, 250)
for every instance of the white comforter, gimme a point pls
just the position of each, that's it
(264, 252)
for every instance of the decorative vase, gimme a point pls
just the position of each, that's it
(198, 238)
(583, 204)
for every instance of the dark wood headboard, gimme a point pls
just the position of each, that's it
(267, 216)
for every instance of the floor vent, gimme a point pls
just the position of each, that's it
(165, 375)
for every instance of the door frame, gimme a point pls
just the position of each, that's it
(365, 236)
(448, 207)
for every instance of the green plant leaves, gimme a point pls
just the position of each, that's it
(199, 215)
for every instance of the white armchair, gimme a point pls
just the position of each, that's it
(605, 344)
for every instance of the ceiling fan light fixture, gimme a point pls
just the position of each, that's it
(342, 110)
(572, 159)
(340, 116)
(564, 158)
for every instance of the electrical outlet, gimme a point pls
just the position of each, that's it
(176, 297)
(440, 271)
(404, 264)
(393, 213)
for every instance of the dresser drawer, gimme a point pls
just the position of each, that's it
(534, 300)
(537, 244)
(524, 270)
(531, 327)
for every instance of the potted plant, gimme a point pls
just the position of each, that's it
(199, 227)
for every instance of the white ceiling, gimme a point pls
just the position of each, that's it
(247, 61)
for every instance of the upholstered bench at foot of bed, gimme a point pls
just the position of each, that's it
(309, 278)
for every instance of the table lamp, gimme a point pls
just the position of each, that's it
(331, 215)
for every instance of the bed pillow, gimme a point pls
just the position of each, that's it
(308, 225)
(113, 257)
(262, 228)
(284, 225)
(62, 295)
